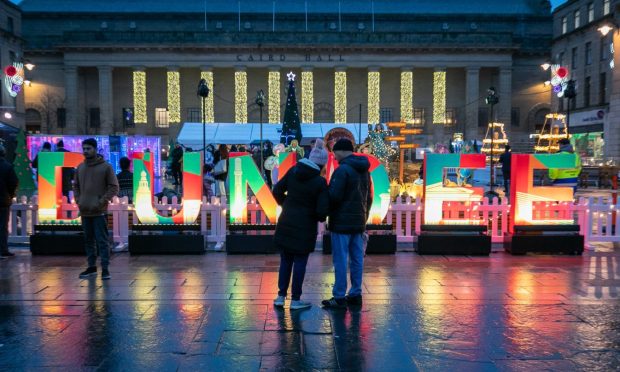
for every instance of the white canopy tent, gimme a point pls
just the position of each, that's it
(231, 133)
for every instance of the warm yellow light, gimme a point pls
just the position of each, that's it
(439, 97)
(274, 97)
(604, 30)
(340, 97)
(374, 94)
(241, 97)
(406, 96)
(545, 66)
(209, 114)
(174, 96)
(139, 97)
(307, 97)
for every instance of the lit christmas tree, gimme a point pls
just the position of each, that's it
(22, 166)
(291, 129)
(380, 148)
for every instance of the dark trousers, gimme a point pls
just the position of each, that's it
(295, 263)
(4, 229)
(177, 175)
(506, 176)
(96, 239)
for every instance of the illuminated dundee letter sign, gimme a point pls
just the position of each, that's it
(50, 183)
(436, 194)
(524, 193)
(192, 190)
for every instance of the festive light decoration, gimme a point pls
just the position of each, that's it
(209, 114)
(291, 128)
(439, 97)
(523, 193)
(559, 79)
(374, 97)
(307, 97)
(143, 190)
(340, 97)
(379, 147)
(274, 97)
(500, 140)
(14, 78)
(436, 194)
(552, 131)
(242, 173)
(406, 96)
(241, 97)
(50, 184)
(139, 97)
(174, 96)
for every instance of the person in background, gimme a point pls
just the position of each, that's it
(125, 179)
(67, 173)
(312, 144)
(318, 154)
(304, 197)
(175, 164)
(8, 188)
(505, 159)
(568, 177)
(207, 181)
(94, 186)
(220, 171)
(294, 147)
(47, 147)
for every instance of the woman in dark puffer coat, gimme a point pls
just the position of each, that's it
(304, 197)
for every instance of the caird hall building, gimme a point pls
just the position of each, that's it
(128, 66)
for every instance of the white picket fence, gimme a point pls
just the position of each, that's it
(597, 217)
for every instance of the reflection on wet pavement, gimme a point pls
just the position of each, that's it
(214, 312)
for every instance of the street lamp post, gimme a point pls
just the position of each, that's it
(570, 93)
(260, 101)
(203, 92)
(492, 99)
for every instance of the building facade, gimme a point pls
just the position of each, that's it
(127, 67)
(583, 42)
(11, 108)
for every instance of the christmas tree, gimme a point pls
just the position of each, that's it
(291, 129)
(22, 166)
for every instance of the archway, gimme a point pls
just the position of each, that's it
(33, 121)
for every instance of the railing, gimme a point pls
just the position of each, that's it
(598, 218)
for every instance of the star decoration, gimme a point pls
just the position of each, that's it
(290, 76)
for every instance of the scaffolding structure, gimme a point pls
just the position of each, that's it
(553, 130)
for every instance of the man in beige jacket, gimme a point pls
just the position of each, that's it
(94, 187)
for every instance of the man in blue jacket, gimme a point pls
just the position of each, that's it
(350, 200)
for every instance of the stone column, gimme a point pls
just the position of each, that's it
(504, 107)
(340, 95)
(71, 99)
(472, 95)
(106, 110)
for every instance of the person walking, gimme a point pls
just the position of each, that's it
(568, 177)
(350, 200)
(68, 173)
(304, 197)
(220, 171)
(95, 185)
(8, 188)
(125, 179)
(175, 164)
(505, 159)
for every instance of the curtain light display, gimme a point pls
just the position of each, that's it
(174, 96)
(439, 97)
(406, 96)
(340, 97)
(436, 194)
(209, 114)
(50, 184)
(14, 78)
(139, 97)
(242, 173)
(523, 192)
(274, 97)
(143, 190)
(307, 97)
(374, 97)
(241, 97)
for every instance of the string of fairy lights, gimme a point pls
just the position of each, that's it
(274, 97)
(374, 94)
(340, 97)
(307, 97)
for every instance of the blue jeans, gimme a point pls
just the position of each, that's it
(297, 264)
(96, 239)
(348, 248)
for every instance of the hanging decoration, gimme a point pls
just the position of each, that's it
(14, 78)
(559, 79)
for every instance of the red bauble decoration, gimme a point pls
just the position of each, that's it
(562, 72)
(10, 70)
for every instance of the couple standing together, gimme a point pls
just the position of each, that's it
(306, 199)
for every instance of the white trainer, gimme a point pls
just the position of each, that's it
(299, 304)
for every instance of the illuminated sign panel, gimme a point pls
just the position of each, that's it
(242, 172)
(50, 184)
(436, 193)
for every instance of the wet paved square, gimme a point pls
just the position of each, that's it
(214, 312)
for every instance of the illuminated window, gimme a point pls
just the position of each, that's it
(161, 118)
(450, 117)
(590, 12)
(419, 119)
(605, 7)
(577, 18)
(564, 25)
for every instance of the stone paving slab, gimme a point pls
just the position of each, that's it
(214, 312)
